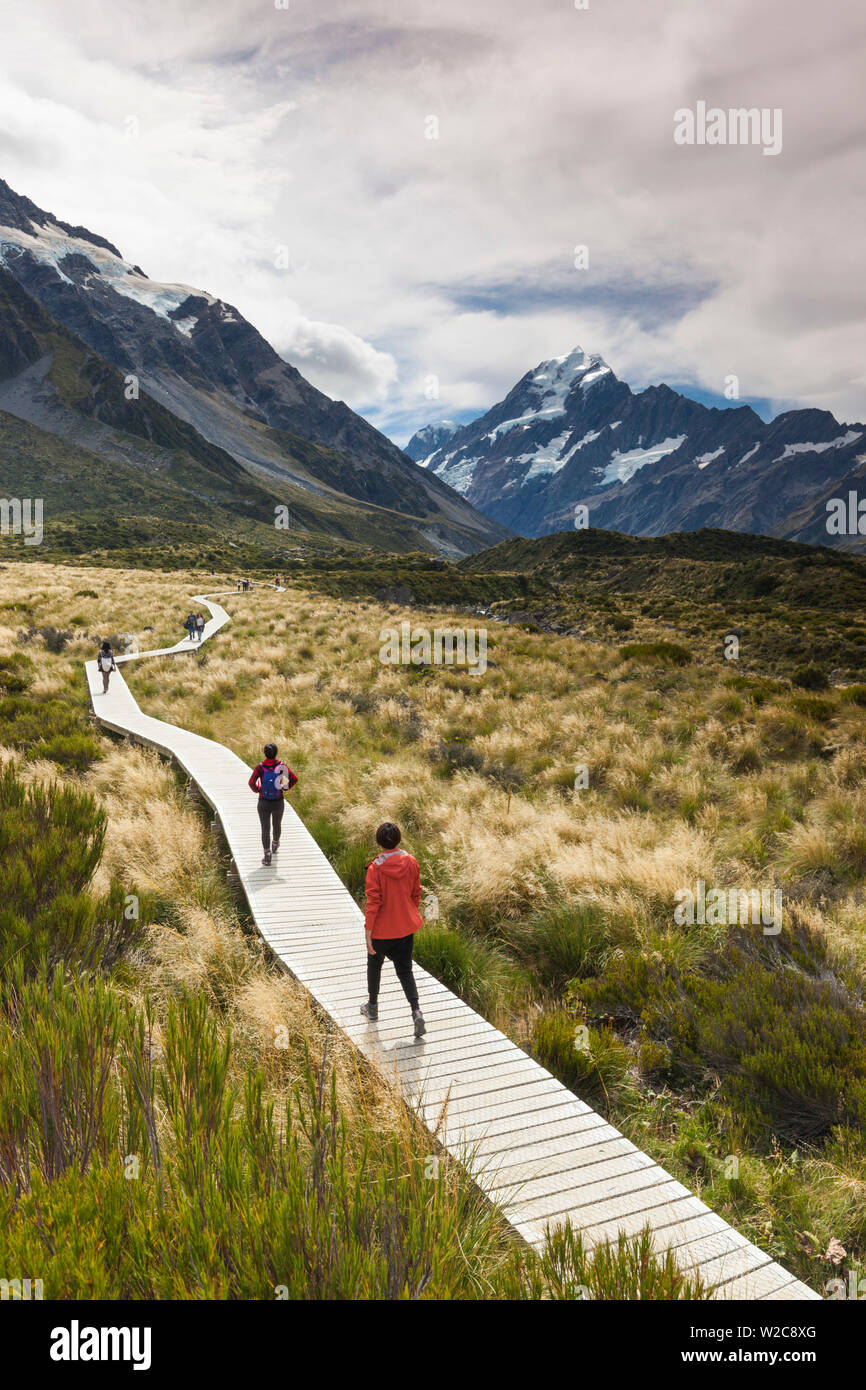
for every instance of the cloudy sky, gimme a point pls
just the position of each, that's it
(215, 140)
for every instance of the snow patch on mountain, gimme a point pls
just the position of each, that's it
(51, 245)
(624, 466)
(459, 474)
(551, 383)
(702, 460)
(850, 437)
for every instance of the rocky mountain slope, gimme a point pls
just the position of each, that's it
(201, 366)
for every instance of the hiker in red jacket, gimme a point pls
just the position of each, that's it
(271, 779)
(391, 920)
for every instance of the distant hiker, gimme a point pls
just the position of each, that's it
(239, 586)
(271, 779)
(106, 664)
(391, 920)
(199, 625)
(278, 582)
(190, 626)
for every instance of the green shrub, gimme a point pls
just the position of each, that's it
(454, 756)
(351, 864)
(763, 1028)
(787, 736)
(562, 944)
(814, 707)
(76, 752)
(615, 1271)
(327, 835)
(745, 758)
(473, 969)
(810, 678)
(51, 841)
(658, 653)
(596, 1071)
(654, 1060)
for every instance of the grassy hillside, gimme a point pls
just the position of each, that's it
(791, 607)
(176, 511)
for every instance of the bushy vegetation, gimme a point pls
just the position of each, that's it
(779, 1046)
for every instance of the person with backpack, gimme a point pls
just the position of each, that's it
(199, 625)
(106, 664)
(190, 626)
(391, 921)
(271, 779)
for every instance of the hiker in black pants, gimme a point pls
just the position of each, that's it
(199, 625)
(271, 779)
(391, 920)
(106, 664)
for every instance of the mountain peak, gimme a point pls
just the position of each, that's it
(573, 366)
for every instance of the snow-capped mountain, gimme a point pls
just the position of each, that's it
(426, 441)
(571, 434)
(199, 359)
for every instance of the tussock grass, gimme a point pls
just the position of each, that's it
(698, 770)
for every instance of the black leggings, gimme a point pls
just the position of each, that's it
(270, 811)
(399, 950)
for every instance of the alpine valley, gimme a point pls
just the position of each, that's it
(155, 418)
(571, 435)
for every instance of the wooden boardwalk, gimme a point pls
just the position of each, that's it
(529, 1142)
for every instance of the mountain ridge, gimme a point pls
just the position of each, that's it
(571, 435)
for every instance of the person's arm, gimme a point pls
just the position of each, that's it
(374, 902)
(415, 889)
(256, 777)
(292, 779)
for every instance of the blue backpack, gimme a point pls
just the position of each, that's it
(271, 781)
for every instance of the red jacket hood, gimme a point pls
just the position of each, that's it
(395, 863)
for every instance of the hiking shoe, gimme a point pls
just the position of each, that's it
(370, 1011)
(420, 1025)
(275, 846)
(267, 857)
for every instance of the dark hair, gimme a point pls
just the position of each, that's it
(106, 646)
(270, 750)
(388, 835)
